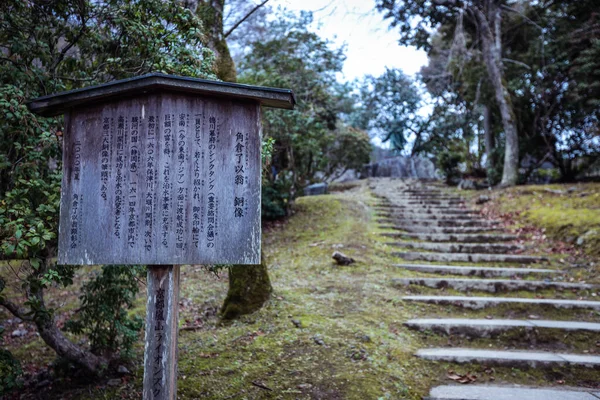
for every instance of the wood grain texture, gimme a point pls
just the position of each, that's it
(162, 179)
(162, 317)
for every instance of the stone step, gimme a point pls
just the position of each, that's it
(476, 303)
(459, 237)
(490, 285)
(491, 327)
(427, 216)
(429, 202)
(420, 210)
(483, 272)
(484, 248)
(489, 392)
(437, 229)
(430, 198)
(475, 257)
(460, 223)
(515, 358)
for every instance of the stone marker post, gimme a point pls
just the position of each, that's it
(164, 171)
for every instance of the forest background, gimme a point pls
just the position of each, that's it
(510, 86)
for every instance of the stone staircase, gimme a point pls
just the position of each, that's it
(459, 251)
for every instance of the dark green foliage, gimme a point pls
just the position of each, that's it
(10, 372)
(551, 53)
(103, 315)
(10, 368)
(50, 46)
(291, 56)
(351, 149)
(388, 107)
(448, 162)
(275, 199)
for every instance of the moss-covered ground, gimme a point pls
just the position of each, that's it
(328, 332)
(566, 212)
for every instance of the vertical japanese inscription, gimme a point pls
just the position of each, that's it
(182, 181)
(75, 230)
(167, 185)
(105, 157)
(240, 177)
(160, 176)
(212, 203)
(197, 182)
(159, 327)
(119, 179)
(134, 158)
(150, 197)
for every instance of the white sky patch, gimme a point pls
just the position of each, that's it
(370, 45)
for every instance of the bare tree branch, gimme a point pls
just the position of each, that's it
(522, 64)
(234, 27)
(14, 309)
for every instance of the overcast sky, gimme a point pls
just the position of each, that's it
(370, 45)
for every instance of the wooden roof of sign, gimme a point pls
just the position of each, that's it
(57, 104)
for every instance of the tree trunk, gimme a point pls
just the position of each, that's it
(249, 288)
(249, 285)
(52, 336)
(66, 349)
(211, 14)
(493, 61)
(489, 143)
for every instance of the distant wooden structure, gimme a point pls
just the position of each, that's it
(161, 170)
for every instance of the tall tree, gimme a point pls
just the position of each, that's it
(486, 16)
(292, 56)
(249, 286)
(388, 108)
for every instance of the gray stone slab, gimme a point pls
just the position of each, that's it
(435, 202)
(508, 358)
(491, 285)
(475, 271)
(459, 237)
(493, 327)
(425, 215)
(476, 303)
(420, 210)
(485, 248)
(566, 325)
(433, 229)
(488, 392)
(466, 223)
(463, 257)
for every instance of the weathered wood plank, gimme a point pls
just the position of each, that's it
(162, 317)
(162, 179)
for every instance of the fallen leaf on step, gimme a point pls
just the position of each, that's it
(464, 379)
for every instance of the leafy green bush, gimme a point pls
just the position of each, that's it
(275, 199)
(10, 370)
(448, 162)
(103, 315)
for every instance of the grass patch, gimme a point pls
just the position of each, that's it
(329, 332)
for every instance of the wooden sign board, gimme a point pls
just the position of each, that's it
(165, 174)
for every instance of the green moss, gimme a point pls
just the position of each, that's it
(249, 288)
(566, 216)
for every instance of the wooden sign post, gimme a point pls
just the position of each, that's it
(163, 171)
